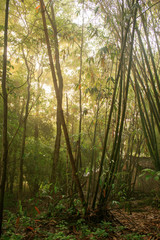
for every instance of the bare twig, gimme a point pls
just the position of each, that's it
(17, 87)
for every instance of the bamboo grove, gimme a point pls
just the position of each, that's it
(80, 96)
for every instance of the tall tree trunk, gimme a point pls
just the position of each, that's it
(115, 155)
(13, 170)
(36, 139)
(60, 105)
(5, 118)
(14, 161)
(148, 125)
(150, 73)
(60, 82)
(78, 157)
(150, 51)
(93, 151)
(151, 100)
(110, 115)
(24, 129)
(67, 163)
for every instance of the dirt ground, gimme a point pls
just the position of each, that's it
(145, 222)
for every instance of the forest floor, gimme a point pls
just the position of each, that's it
(145, 222)
(140, 222)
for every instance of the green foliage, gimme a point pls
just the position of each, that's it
(13, 236)
(150, 173)
(45, 189)
(37, 164)
(100, 233)
(85, 231)
(104, 31)
(12, 223)
(134, 236)
(60, 235)
(60, 207)
(18, 227)
(20, 208)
